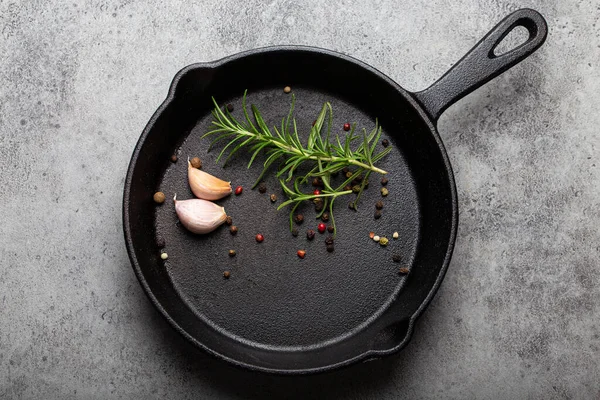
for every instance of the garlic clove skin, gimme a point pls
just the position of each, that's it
(199, 216)
(205, 186)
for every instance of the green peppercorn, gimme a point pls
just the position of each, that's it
(384, 191)
(348, 174)
(384, 241)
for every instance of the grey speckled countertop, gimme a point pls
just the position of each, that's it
(518, 315)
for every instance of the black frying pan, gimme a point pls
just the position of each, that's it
(278, 313)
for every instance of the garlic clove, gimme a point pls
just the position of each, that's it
(199, 216)
(205, 186)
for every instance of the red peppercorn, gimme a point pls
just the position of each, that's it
(259, 238)
(301, 253)
(316, 192)
(322, 227)
(346, 126)
(238, 190)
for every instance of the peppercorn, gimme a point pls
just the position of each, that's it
(325, 217)
(348, 174)
(395, 235)
(329, 240)
(317, 182)
(287, 89)
(330, 229)
(160, 242)
(294, 232)
(232, 253)
(238, 190)
(345, 170)
(346, 126)
(259, 238)
(384, 241)
(299, 218)
(330, 248)
(230, 107)
(164, 256)
(310, 234)
(174, 158)
(273, 198)
(301, 253)
(384, 181)
(226, 274)
(316, 192)
(229, 220)
(403, 270)
(159, 197)
(379, 205)
(196, 162)
(233, 229)
(357, 180)
(376, 238)
(396, 258)
(384, 191)
(356, 188)
(321, 227)
(377, 214)
(318, 204)
(348, 187)
(262, 187)
(385, 143)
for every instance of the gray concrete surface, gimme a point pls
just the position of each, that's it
(518, 313)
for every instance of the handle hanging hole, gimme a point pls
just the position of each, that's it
(516, 37)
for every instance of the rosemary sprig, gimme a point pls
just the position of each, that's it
(322, 155)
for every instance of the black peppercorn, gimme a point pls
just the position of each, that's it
(294, 232)
(262, 187)
(330, 248)
(318, 204)
(348, 187)
(174, 158)
(233, 229)
(317, 182)
(358, 180)
(226, 274)
(229, 220)
(329, 240)
(230, 107)
(330, 229)
(299, 218)
(379, 205)
(384, 181)
(385, 143)
(325, 217)
(396, 258)
(345, 170)
(232, 253)
(377, 214)
(310, 234)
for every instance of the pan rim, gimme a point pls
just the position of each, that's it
(365, 356)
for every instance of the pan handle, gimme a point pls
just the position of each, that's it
(480, 65)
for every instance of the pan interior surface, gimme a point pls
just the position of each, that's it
(277, 312)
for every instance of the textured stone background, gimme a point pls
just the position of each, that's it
(518, 315)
